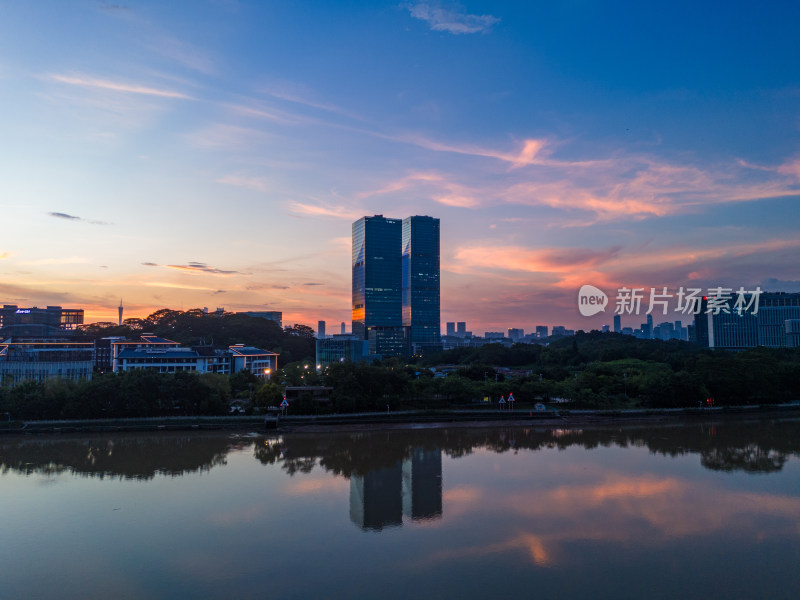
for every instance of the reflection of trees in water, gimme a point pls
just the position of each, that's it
(128, 456)
(749, 446)
(751, 458)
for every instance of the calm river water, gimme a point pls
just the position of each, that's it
(707, 510)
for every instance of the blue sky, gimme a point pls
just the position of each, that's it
(191, 154)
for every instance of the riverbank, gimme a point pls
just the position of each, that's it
(401, 419)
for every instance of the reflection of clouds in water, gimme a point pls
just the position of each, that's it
(620, 509)
(320, 485)
(527, 542)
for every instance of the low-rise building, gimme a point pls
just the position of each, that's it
(161, 360)
(41, 359)
(108, 349)
(200, 359)
(260, 363)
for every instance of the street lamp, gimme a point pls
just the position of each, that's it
(267, 373)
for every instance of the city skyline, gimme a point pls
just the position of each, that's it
(214, 154)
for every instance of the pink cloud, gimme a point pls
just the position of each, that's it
(313, 210)
(435, 185)
(517, 258)
(92, 82)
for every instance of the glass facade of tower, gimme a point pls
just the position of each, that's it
(421, 283)
(770, 326)
(377, 279)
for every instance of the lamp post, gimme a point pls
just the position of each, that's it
(267, 372)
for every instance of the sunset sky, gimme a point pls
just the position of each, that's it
(190, 154)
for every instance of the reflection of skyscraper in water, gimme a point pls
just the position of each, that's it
(422, 484)
(376, 499)
(413, 488)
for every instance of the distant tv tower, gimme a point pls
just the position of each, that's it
(119, 310)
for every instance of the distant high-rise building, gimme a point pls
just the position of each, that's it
(451, 328)
(604, 329)
(420, 288)
(320, 330)
(515, 334)
(701, 324)
(377, 285)
(119, 312)
(344, 330)
(617, 324)
(461, 328)
(649, 326)
(541, 331)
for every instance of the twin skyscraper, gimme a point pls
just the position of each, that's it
(396, 284)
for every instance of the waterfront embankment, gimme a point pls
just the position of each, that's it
(398, 419)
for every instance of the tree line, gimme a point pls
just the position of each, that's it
(589, 370)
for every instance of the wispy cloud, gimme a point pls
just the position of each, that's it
(617, 186)
(68, 217)
(314, 210)
(5, 255)
(60, 215)
(177, 286)
(452, 18)
(567, 268)
(296, 98)
(128, 88)
(439, 189)
(638, 187)
(198, 267)
(530, 152)
(195, 267)
(260, 111)
(266, 286)
(517, 258)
